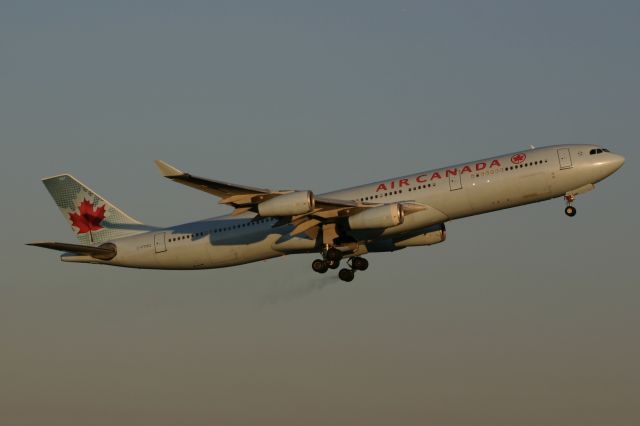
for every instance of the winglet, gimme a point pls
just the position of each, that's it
(167, 170)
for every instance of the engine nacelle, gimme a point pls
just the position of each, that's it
(295, 203)
(435, 234)
(378, 217)
(426, 239)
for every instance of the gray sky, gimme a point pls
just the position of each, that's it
(522, 317)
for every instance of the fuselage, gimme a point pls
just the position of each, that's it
(452, 192)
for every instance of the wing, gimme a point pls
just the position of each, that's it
(246, 198)
(243, 198)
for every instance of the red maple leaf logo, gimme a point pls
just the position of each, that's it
(87, 219)
(518, 158)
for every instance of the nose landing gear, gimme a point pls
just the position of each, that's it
(570, 210)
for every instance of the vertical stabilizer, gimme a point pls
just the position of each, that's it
(92, 218)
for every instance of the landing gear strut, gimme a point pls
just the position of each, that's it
(570, 210)
(333, 254)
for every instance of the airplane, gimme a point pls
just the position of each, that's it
(383, 216)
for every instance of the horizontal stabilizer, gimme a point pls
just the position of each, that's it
(104, 252)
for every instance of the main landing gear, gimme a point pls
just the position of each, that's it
(570, 210)
(322, 266)
(331, 260)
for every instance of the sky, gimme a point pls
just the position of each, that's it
(522, 316)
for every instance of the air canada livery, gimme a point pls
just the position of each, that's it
(344, 225)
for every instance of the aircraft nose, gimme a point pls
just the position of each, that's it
(617, 161)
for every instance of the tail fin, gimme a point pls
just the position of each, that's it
(92, 218)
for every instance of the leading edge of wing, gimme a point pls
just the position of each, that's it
(215, 187)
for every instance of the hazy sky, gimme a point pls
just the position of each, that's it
(522, 317)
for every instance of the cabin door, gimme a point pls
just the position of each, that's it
(565, 158)
(455, 181)
(160, 242)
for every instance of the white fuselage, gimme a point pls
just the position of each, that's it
(458, 191)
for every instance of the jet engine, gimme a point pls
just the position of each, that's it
(295, 203)
(426, 239)
(377, 217)
(435, 234)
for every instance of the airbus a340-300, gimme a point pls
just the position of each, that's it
(344, 225)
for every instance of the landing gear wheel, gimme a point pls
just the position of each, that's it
(333, 254)
(320, 266)
(570, 211)
(359, 263)
(333, 264)
(346, 275)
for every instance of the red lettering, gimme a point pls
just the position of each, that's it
(495, 163)
(436, 175)
(421, 178)
(466, 169)
(481, 166)
(403, 182)
(451, 172)
(381, 187)
(393, 184)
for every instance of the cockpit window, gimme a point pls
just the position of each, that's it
(605, 150)
(598, 151)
